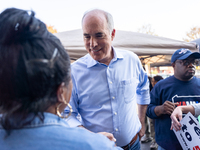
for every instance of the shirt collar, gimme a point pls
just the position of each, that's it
(92, 62)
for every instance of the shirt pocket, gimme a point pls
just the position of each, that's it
(129, 89)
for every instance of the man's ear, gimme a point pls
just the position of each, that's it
(60, 92)
(173, 64)
(113, 34)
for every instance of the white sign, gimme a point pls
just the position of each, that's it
(189, 135)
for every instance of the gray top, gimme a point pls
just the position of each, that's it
(197, 109)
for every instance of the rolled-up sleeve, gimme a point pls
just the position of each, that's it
(143, 97)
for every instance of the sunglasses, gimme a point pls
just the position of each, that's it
(186, 62)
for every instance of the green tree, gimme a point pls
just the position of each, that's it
(193, 34)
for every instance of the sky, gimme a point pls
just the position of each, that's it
(168, 18)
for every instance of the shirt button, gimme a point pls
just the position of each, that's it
(115, 113)
(108, 67)
(110, 82)
(116, 129)
(113, 97)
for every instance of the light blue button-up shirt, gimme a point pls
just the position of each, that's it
(105, 96)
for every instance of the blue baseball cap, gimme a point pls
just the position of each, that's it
(183, 53)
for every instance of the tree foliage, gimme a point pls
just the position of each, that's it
(193, 34)
(51, 29)
(147, 29)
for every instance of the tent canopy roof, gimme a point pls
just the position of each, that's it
(151, 49)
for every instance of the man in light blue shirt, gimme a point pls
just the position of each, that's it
(107, 84)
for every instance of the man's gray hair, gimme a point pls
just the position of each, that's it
(108, 16)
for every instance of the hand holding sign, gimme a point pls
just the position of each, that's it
(176, 116)
(189, 135)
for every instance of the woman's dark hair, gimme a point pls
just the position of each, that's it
(33, 64)
(157, 78)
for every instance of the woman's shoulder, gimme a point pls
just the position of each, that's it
(57, 137)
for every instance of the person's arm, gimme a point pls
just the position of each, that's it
(143, 98)
(73, 120)
(141, 114)
(155, 102)
(176, 116)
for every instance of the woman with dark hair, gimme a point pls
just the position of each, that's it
(35, 88)
(155, 79)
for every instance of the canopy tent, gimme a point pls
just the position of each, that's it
(197, 41)
(151, 49)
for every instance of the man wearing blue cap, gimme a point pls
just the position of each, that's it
(183, 88)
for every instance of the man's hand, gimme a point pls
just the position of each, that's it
(108, 135)
(166, 108)
(142, 132)
(141, 114)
